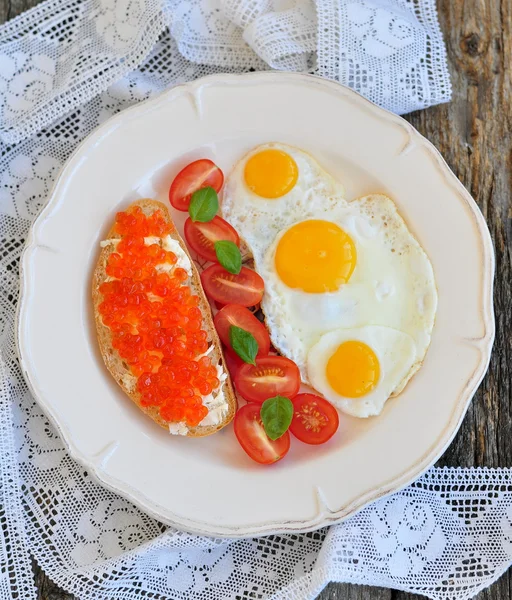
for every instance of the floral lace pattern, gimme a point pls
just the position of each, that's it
(66, 67)
(386, 51)
(62, 54)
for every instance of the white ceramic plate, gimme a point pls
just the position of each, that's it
(208, 485)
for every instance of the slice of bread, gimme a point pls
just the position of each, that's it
(119, 370)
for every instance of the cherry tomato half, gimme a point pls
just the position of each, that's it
(271, 376)
(234, 314)
(201, 237)
(314, 419)
(253, 439)
(199, 174)
(245, 289)
(233, 362)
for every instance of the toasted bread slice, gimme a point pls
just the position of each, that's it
(119, 370)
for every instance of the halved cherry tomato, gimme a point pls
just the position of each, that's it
(201, 237)
(233, 362)
(245, 289)
(199, 174)
(271, 376)
(314, 419)
(253, 439)
(234, 314)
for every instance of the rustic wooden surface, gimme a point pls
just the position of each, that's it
(473, 133)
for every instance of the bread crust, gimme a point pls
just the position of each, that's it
(115, 364)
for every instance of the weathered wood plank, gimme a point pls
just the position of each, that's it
(473, 133)
(4, 10)
(47, 590)
(346, 591)
(16, 7)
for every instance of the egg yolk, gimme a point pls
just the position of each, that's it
(353, 370)
(271, 173)
(315, 256)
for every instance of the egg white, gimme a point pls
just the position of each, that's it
(395, 350)
(261, 219)
(392, 284)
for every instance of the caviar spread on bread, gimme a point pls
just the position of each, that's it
(155, 327)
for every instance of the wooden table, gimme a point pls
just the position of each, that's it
(474, 134)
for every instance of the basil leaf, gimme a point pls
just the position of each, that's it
(203, 205)
(229, 256)
(244, 344)
(276, 415)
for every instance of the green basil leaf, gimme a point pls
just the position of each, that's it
(229, 256)
(276, 415)
(203, 205)
(244, 344)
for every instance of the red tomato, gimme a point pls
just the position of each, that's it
(234, 314)
(314, 419)
(253, 439)
(233, 362)
(201, 237)
(199, 174)
(246, 288)
(271, 376)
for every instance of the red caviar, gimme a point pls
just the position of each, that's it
(155, 321)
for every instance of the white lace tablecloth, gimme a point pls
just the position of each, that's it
(65, 67)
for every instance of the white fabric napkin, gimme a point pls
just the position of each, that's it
(63, 53)
(65, 67)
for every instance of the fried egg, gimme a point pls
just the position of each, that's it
(329, 264)
(271, 187)
(359, 369)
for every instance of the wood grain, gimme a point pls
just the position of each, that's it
(473, 133)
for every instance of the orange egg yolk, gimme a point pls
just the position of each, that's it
(271, 173)
(315, 256)
(353, 370)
